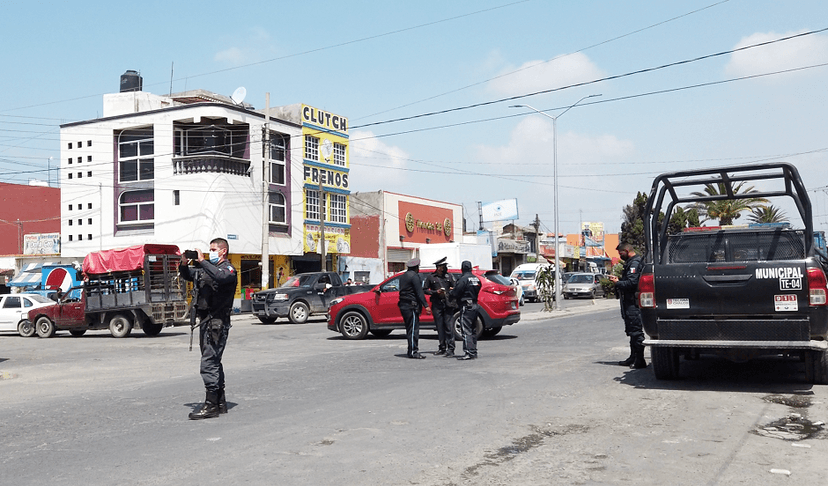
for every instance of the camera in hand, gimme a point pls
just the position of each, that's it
(191, 254)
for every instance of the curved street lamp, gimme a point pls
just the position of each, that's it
(558, 295)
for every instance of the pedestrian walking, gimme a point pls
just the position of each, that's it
(215, 280)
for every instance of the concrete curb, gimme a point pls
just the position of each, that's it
(598, 305)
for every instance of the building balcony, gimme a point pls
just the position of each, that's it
(220, 164)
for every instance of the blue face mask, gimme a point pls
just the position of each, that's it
(214, 256)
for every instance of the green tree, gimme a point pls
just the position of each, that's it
(682, 219)
(632, 226)
(767, 214)
(726, 210)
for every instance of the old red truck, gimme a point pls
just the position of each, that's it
(123, 289)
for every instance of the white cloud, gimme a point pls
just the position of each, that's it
(799, 52)
(375, 164)
(257, 46)
(540, 75)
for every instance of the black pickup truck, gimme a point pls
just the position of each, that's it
(734, 292)
(301, 296)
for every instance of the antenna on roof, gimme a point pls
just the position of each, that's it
(238, 95)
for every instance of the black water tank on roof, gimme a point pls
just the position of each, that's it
(131, 81)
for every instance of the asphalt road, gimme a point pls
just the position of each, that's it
(546, 403)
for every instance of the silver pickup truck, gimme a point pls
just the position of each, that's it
(735, 292)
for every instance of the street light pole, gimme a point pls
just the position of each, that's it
(558, 293)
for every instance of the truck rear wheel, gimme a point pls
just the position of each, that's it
(45, 327)
(151, 329)
(120, 326)
(816, 367)
(298, 313)
(665, 362)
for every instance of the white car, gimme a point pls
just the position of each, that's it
(14, 309)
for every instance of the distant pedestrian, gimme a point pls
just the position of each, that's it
(438, 285)
(626, 287)
(349, 282)
(465, 293)
(411, 304)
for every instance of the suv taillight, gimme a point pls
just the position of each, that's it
(646, 290)
(817, 287)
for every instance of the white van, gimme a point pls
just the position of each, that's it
(525, 273)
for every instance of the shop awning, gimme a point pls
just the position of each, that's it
(30, 275)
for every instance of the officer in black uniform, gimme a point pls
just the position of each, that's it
(465, 293)
(216, 280)
(626, 288)
(438, 285)
(412, 301)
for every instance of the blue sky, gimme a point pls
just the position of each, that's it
(378, 61)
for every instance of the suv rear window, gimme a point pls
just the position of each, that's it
(720, 246)
(497, 278)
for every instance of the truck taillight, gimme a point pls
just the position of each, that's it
(646, 290)
(817, 287)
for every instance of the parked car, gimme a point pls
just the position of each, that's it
(376, 311)
(518, 289)
(14, 309)
(583, 285)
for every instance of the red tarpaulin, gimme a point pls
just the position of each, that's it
(124, 259)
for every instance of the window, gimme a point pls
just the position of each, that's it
(277, 173)
(80, 144)
(89, 173)
(70, 160)
(137, 206)
(339, 154)
(80, 237)
(70, 207)
(80, 222)
(311, 147)
(70, 175)
(176, 197)
(278, 146)
(89, 236)
(70, 145)
(89, 206)
(89, 221)
(89, 158)
(311, 204)
(135, 150)
(339, 208)
(89, 143)
(70, 237)
(70, 222)
(11, 303)
(80, 175)
(277, 208)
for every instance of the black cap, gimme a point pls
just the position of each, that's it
(441, 261)
(414, 262)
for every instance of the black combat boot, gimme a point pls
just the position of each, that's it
(222, 402)
(629, 361)
(209, 409)
(639, 358)
(440, 351)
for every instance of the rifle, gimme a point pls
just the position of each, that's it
(193, 307)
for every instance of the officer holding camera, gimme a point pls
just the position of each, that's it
(215, 280)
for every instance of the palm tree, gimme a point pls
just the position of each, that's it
(726, 210)
(767, 214)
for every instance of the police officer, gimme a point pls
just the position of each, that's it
(438, 285)
(626, 287)
(412, 301)
(216, 280)
(465, 293)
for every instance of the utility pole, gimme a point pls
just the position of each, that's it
(265, 195)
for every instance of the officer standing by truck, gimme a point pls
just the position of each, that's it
(411, 303)
(215, 280)
(626, 287)
(465, 293)
(438, 285)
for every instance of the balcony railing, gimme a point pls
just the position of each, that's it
(211, 163)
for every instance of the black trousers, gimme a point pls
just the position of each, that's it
(633, 325)
(444, 321)
(411, 318)
(212, 339)
(468, 323)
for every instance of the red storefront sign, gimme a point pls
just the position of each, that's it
(418, 222)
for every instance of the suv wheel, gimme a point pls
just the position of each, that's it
(816, 367)
(353, 325)
(458, 333)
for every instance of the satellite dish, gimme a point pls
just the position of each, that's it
(238, 95)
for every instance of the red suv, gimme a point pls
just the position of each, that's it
(376, 311)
